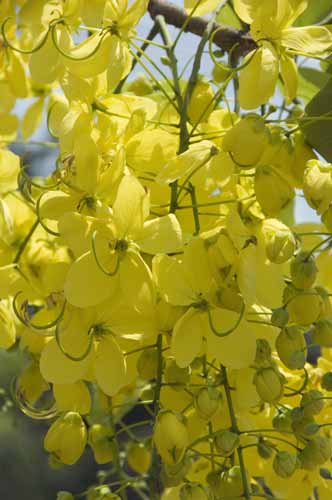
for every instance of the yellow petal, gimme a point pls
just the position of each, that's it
(289, 75)
(110, 366)
(52, 358)
(162, 235)
(72, 397)
(238, 349)
(309, 39)
(9, 170)
(258, 79)
(172, 281)
(32, 118)
(135, 278)
(86, 285)
(187, 337)
(129, 208)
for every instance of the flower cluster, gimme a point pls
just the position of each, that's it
(159, 265)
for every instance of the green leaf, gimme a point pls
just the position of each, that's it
(311, 80)
(227, 16)
(318, 131)
(316, 12)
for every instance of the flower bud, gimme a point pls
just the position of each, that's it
(66, 438)
(207, 402)
(220, 74)
(173, 475)
(284, 464)
(291, 347)
(317, 187)
(231, 485)
(303, 426)
(312, 403)
(304, 307)
(100, 440)
(176, 376)
(280, 243)
(246, 140)
(321, 333)
(303, 270)
(139, 457)
(171, 437)
(283, 420)
(280, 317)
(317, 451)
(273, 192)
(141, 86)
(263, 353)
(226, 442)
(268, 383)
(192, 491)
(64, 495)
(264, 449)
(326, 381)
(147, 364)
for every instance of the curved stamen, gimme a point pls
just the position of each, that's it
(47, 229)
(27, 408)
(29, 324)
(99, 264)
(301, 389)
(17, 49)
(72, 58)
(84, 355)
(231, 330)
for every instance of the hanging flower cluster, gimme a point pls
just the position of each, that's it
(158, 265)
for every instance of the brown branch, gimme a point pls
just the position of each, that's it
(225, 38)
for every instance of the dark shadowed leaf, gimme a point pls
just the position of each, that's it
(318, 131)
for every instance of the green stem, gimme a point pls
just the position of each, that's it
(153, 32)
(235, 428)
(116, 455)
(25, 242)
(154, 480)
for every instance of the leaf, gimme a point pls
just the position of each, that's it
(311, 80)
(318, 132)
(315, 13)
(228, 17)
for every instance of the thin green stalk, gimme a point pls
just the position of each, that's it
(235, 428)
(116, 454)
(155, 468)
(25, 242)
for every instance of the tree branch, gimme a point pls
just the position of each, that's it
(225, 38)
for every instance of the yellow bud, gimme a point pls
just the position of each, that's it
(171, 437)
(246, 141)
(175, 376)
(291, 347)
(273, 192)
(207, 402)
(201, 102)
(192, 491)
(66, 438)
(316, 452)
(312, 403)
(100, 442)
(321, 333)
(141, 85)
(304, 307)
(280, 243)
(226, 442)
(268, 383)
(284, 464)
(139, 457)
(317, 187)
(303, 270)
